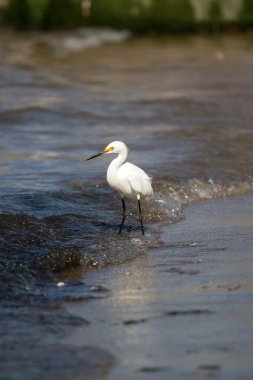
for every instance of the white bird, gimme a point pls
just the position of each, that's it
(129, 180)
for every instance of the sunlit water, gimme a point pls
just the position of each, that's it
(184, 108)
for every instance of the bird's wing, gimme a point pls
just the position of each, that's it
(139, 181)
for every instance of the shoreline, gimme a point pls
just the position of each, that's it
(183, 310)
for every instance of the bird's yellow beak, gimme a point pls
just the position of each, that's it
(107, 150)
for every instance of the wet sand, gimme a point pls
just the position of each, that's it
(183, 311)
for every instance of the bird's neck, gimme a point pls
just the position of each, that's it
(118, 161)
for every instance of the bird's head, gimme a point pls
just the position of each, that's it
(114, 147)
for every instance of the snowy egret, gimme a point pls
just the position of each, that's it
(129, 180)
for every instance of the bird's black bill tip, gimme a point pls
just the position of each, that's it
(95, 155)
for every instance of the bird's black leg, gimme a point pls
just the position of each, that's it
(123, 215)
(140, 216)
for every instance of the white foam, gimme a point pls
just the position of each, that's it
(64, 44)
(173, 197)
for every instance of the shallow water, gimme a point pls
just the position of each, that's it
(184, 107)
(183, 311)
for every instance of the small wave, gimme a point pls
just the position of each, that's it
(64, 44)
(77, 230)
(60, 232)
(171, 197)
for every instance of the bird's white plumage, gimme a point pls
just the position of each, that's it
(128, 179)
(138, 180)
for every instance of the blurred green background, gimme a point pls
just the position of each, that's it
(139, 16)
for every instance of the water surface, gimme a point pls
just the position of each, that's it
(184, 108)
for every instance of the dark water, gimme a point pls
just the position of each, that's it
(184, 107)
